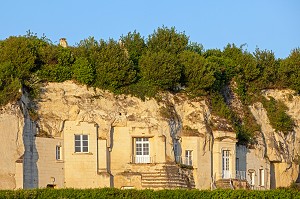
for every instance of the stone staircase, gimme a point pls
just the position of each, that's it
(169, 177)
(224, 184)
(232, 184)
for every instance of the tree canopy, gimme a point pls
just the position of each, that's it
(166, 61)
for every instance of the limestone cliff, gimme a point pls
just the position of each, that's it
(282, 150)
(60, 102)
(11, 147)
(171, 116)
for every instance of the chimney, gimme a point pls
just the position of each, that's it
(63, 42)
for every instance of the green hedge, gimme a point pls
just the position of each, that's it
(116, 193)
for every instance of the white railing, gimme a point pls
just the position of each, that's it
(142, 159)
(178, 159)
(226, 174)
(184, 160)
(241, 175)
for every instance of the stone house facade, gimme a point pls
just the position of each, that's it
(136, 157)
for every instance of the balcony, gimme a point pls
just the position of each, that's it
(241, 175)
(184, 160)
(142, 159)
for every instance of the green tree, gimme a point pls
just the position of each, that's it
(22, 55)
(198, 72)
(60, 69)
(222, 70)
(195, 47)
(168, 40)
(279, 119)
(113, 67)
(88, 48)
(160, 68)
(268, 67)
(134, 45)
(20, 58)
(83, 71)
(289, 70)
(9, 84)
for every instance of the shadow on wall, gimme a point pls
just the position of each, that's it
(31, 156)
(272, 176)
(111, 144)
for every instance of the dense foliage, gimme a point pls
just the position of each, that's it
(277, 115)
(117, 193)
(165, 61)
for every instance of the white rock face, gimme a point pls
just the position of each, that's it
(67, 101)
(281, 150)
(11, 147)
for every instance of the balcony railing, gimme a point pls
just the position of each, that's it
(142, 159)
(241, 175)
(226, 174)
(184, 160)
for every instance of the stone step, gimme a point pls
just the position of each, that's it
(163, 183)
(223, 184)
(166, 181)
(175, 178)
(159, 174)
(168, 186)
(169, 177)
(164, 187)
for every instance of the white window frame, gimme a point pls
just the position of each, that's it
(81, 143)
(58, 152)
(226, 164)
(188, 157)
(252, 178)
(142, 150)
(261, 177)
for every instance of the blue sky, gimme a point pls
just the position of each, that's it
(266, 24)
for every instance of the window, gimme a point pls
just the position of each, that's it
(261, 177)
(188, 157)
(58, 152)
(225, 164)
(142, 151)
(252, 178)
(81, 143)
(237, 164)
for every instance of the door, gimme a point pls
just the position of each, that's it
(142, 154)
(252, 179)
(225, 164)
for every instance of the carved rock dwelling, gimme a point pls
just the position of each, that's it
(86, 138)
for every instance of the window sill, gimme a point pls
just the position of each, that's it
(59, 161)
(82, 153)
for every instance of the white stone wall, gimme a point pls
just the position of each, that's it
(224, 141)
(11, 147)
(50, 170)
(81, 169)
(251, 161)
(201, 158)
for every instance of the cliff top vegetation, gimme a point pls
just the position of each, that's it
(164, 61)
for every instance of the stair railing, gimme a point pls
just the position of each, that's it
(231, 184)
(213, 182)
